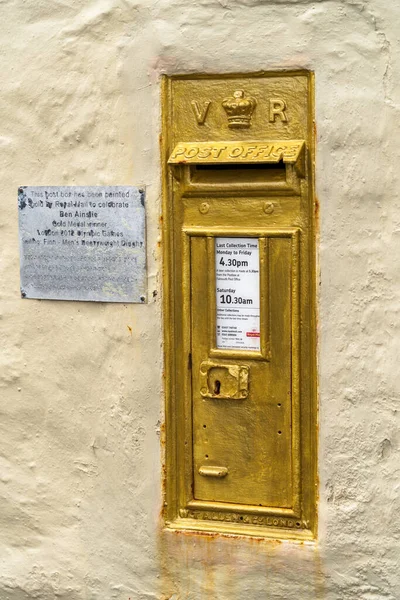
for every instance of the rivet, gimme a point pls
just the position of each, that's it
(268, 208)
(204, 208)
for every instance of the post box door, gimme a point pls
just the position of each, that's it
(242, 430)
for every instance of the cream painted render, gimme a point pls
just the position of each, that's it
(81, 402)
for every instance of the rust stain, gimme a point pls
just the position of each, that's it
(316, 207)
(209, 536)
(163, 492)
(163, 474)
(180, 551)
(162, 438)
(316, 332)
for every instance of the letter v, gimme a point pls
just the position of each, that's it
(200, 114)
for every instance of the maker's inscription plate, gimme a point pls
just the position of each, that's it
(83, 243)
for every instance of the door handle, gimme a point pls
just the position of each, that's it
(218, 472)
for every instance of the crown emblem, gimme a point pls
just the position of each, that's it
(239, 109)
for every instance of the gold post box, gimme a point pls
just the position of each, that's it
(239, 304)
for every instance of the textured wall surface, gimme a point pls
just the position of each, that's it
(81, 383)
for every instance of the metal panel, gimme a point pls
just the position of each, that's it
(83, 243)
(240, 421)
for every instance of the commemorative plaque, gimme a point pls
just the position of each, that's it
(83, 243)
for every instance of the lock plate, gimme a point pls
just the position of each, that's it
(223, 381)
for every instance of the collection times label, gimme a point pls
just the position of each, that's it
(237, 267)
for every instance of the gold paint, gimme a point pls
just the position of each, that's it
(287, 151)
(225, 180)
(204, 208)
(239, 110)
(200, 113)
(210, 471)
(223, 381)
(277, 108)
(269, 208)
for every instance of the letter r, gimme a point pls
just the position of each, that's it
(277, 107)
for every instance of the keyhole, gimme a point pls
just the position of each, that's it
(217, 387)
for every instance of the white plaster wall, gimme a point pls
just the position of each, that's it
(81, 404)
